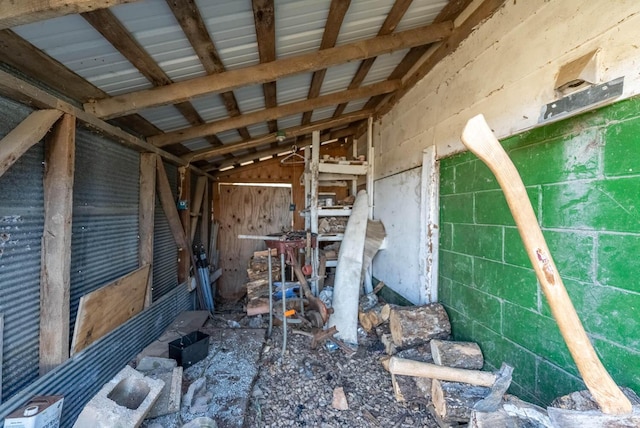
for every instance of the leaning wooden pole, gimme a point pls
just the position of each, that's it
(478, 137)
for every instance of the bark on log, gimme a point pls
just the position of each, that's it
(453, 401)
(513, 413)
(405, 390)
(580, 410)
(257, 307)
(414, 325)
(464, 355)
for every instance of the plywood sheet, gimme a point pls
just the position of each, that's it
(247, 210)
(108, 307)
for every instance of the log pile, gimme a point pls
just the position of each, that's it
(258, 284)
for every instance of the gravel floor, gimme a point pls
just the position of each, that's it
(298, 390)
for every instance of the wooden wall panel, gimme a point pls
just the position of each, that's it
(248, 210)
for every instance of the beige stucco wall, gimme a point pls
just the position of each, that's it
(506, 70)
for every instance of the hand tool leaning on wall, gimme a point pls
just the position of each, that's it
(478, 137)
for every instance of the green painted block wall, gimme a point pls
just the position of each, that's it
(583, 179)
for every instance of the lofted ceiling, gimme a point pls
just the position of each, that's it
(224, 83)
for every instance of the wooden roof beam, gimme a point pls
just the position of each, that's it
(269, 138)
(193, 26)
(274, 113)
(337, 12)
(181, 91)
(14, 13)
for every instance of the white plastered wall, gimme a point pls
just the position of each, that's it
(506, 69)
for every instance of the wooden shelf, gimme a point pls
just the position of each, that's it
(330, 237)
(343, 169)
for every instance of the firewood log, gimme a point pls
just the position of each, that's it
(414, 325)
(453, 401)
(464, 355)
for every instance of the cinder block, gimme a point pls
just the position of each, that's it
(169, 400)
(156, 364)
(124, 401)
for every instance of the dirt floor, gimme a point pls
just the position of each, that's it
(245, 381)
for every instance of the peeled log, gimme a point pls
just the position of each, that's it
(464, 355)
(454, 401)
(415, 325)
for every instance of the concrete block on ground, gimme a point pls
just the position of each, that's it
(169, 400)
(184, 323)
(124, 401)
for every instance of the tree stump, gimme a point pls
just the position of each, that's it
(454, 401)
(463, 355)
(513, 413)
(415, 325)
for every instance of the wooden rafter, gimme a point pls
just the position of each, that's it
(284, 110)
(269, 138)
(484, 11)
(388, 26)
(177, 92)
(264, 17)
(14, 13)
(106, 23)
(193, 26)
(31, 61)
(337, 12)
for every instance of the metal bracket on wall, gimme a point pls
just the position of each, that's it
(581, 101)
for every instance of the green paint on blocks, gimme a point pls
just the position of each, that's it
(481, 241)
(617, 265)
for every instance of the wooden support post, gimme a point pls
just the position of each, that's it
(29, 132)
(206, 215)
(147, 216)
(56, 244)
(429, 229)
(184, 194)
(171, 211)
(196, 207)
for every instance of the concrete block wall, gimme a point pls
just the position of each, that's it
(583, 179)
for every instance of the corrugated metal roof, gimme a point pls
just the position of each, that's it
(299, 27)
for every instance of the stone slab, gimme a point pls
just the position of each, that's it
(170, 397)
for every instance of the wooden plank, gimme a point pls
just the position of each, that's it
(25, 135)
(337, 11)
(388, 26)
(291, 132)
(261, 73)
(56, 244)
(273, 113)
(206, 215)
(198, 196)
(108, 307)
(247, 210)
(146, 218)
(429, 244)
(14, 13)
(193, 26)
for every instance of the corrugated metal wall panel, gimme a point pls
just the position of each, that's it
(81, 377)
(104, 245)
(21, 225)
(165, 251)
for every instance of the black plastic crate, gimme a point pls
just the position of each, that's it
(189, 349)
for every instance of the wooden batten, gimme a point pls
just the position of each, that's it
(184, 194)
(26, 134)
(147, 216)
(56, 244)
(197, 200)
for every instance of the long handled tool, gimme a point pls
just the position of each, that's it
(478, 138)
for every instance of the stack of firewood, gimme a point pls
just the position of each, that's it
(258, 284)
